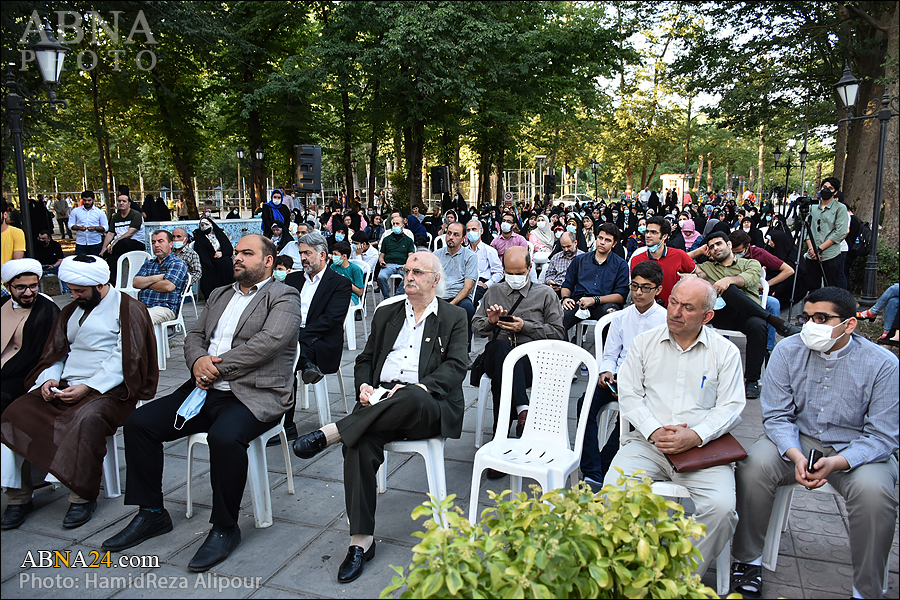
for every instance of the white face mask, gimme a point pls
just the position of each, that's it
(516, 282)
(276, 201)
(818, 337)
(506, 227)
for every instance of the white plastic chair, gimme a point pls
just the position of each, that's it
(320, 390)
(484, 389)
(731, 333)
(778, 522)
(673, 490)
(162, 329)
(127, 267)
(439, 242)
(606, 420)
(352, 309)
(257, 467)
(432, 450)
(543, 452)
(12, 468)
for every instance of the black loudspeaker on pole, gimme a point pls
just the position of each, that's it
(309, 168)
(550, 184)
(440, 180)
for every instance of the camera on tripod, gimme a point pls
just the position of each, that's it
(804, 203)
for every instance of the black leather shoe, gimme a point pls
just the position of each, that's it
(145, 525)
(520, 423)
(14, 515)
(310, 444)
(789, 329)
(79, 514)
(312, 374)
(751, 390)
(289, 430)
(216, 548)
(354, 562)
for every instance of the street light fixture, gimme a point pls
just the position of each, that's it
(848, 88)
(255, 162)
(50, 56)
(540, 158)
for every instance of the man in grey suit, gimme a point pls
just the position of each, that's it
(242, 353)
(416, 358)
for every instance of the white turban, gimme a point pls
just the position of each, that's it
(13, 268)
(75, 271)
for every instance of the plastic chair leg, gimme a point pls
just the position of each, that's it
(258, 477)
(340, 377)
(350, 330)
(111, 469)
(484, 389)
(190, 477)
(321, 391)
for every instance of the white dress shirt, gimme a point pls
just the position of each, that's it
(627, 325)
(307, 293)
(402, 362)
(223, 334)
(489, 265)
(661, 384)
(89, 218)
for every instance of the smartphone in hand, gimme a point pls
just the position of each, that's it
(814, 456)
(612, 387)
(506, 319)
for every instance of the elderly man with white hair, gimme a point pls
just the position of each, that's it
(99, 360)
(409, 377)
(25, 321)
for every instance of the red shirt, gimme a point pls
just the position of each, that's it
(673, 261)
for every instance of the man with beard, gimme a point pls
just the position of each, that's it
(324, 298)
(127, 233)
(99, 360)
(89, 224)
(241, 352)
(25, 321)
(555, 272)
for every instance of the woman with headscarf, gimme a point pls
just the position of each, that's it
(280, 236)
(573, 225)
(420, 234)
(756, 238)
(587, 228)
(216, 253)
(637, 240)
(449, 217)
(779, 241)
(340, 233)
(542, 236)
(275, 210)
(162, 209)
(148, 209)
(689, 233)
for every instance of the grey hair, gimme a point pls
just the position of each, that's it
(710, 294)
(438, 269)
(480, 226)
(314, 240)
(570, 235)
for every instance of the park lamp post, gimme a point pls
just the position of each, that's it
(354, 165)
(258, 157)
(847, 89)
(787, 167)
(595, 166)
(50, 55)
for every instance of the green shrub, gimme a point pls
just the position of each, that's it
(888, 269)
(400, 187)
(622, 543)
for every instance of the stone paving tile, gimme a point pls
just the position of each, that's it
(16, 545)
(818, 523)
(315, 502)
(188, 585)
(826, 576)
(277, 594)
(824, 547)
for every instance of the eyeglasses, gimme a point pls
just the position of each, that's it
(646, 288)
(817, 318)
(415, 272)
(21, 288)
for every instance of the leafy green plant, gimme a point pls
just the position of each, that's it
(625, 542)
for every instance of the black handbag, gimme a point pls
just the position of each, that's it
(478, 364)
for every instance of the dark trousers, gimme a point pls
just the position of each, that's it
(740, 313)
(467, 305)
(92, 249)
(595, 461)
(479, 294)
(597, 311)
(494, 355)
(64, 227)
(411, 413)
(307, 358)
(809, 275)
(231, 427)
(121, 247)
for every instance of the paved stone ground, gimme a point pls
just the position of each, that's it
(299, 555)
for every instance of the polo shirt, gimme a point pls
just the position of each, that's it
(586, 277)
(672, 262)
(396, 248)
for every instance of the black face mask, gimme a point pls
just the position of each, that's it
(826, 194)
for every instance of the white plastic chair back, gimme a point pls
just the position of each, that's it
(162, 329)
(440, 241)
(128, 266)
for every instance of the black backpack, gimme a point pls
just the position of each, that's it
(863, 242)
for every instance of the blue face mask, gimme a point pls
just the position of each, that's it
(339, 237)
(473, 236)
(397, 230)
(653, 249)
(641, 229)
(190, 407)
(571, 228)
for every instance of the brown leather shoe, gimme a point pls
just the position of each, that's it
(520, 426)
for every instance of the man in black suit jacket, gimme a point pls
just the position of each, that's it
(323, 308)
(417, 355)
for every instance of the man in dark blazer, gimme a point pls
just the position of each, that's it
(241, 352)
(416, 357)
(323, 308)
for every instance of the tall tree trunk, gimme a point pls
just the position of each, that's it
(100, 133)
(347, 144)
(500, 166)
(840, 148)
(455, 168)
(709, 177)
(414, 138)
(257, 178)
(760, 161)
(629, 178)
(699, 175)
